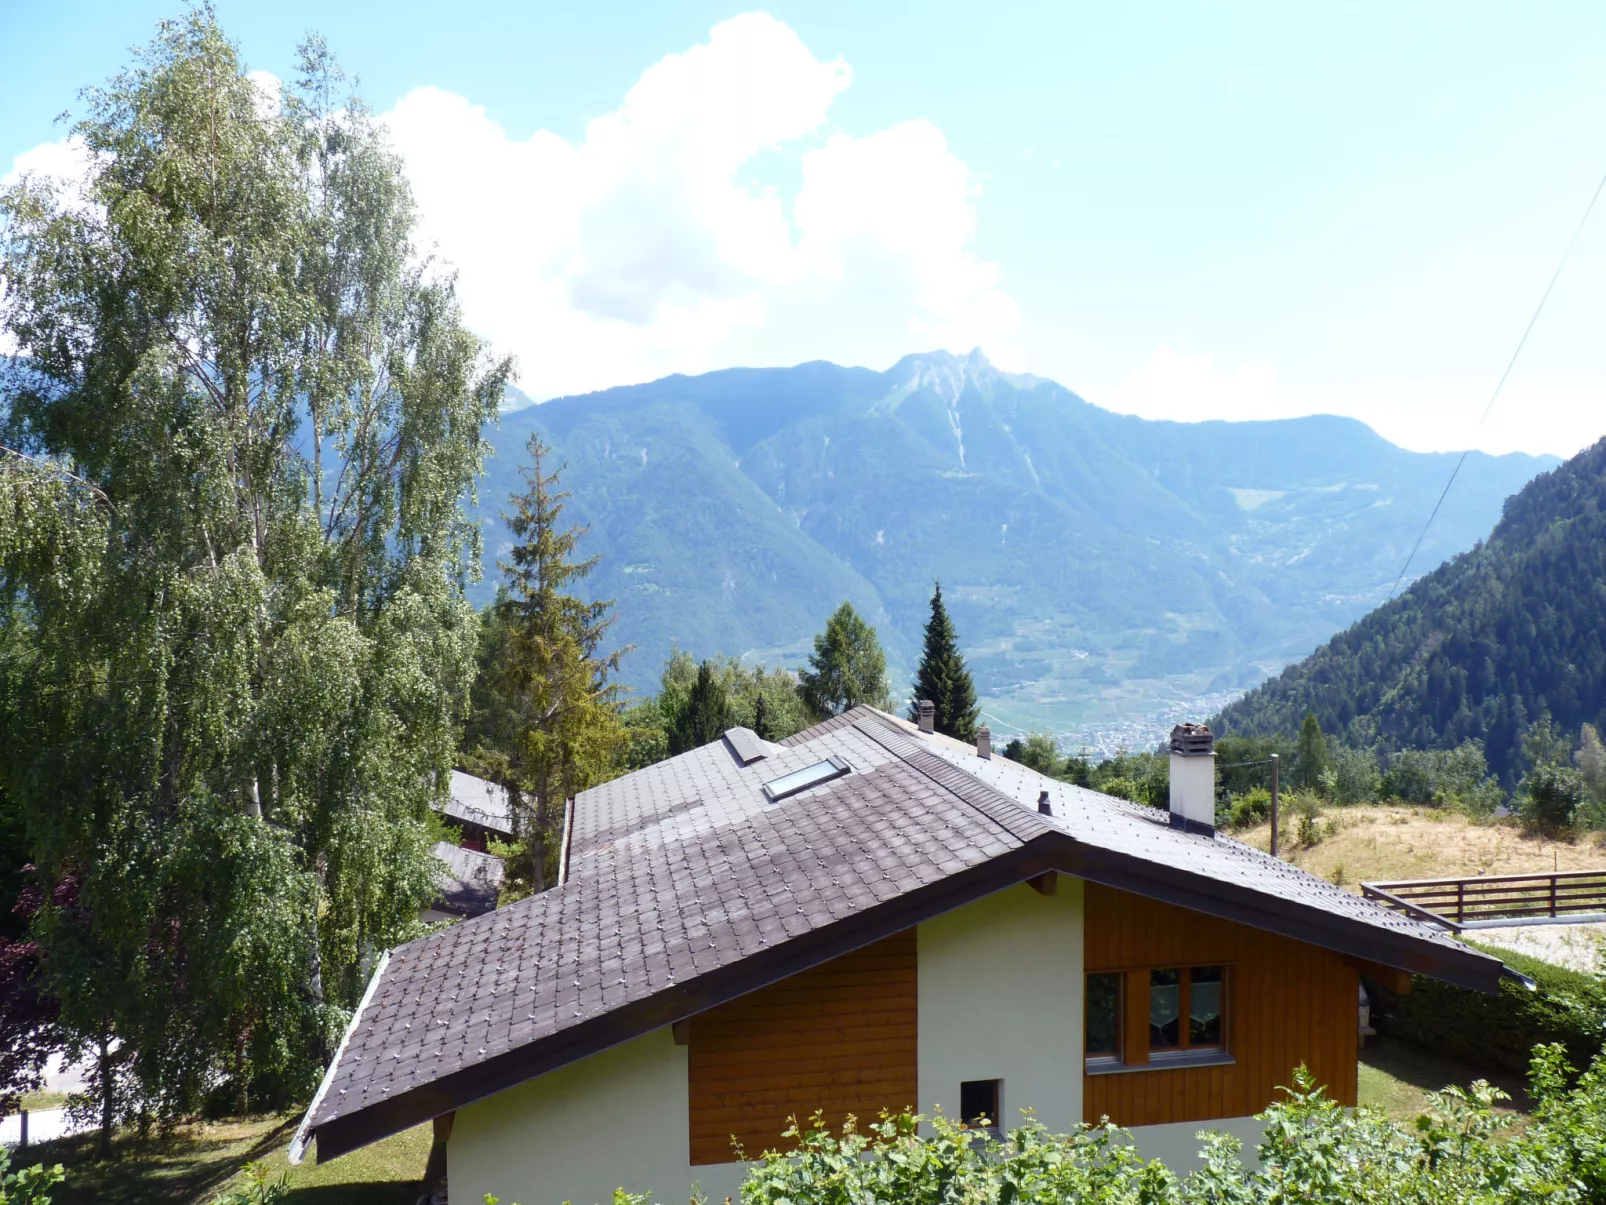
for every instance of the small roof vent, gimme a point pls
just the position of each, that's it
(819, 773)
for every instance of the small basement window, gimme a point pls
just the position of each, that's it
(978, 1102)
(780, 788)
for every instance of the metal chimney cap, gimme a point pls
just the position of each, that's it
(927, 711)
(1193, 740)
(1043, 806)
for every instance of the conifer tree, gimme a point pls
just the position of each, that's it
(1313, 756)
(943, 678)
(847, 667)
(561, 706)
(705, 714)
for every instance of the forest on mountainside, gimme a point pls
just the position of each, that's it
(1479, 649)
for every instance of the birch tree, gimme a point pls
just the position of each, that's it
(240, 426)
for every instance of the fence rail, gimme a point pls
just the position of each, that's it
(1457, 902)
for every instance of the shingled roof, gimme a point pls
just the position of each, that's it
(686, 887)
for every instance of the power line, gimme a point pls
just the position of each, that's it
(1565, 256)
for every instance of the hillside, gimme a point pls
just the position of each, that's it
(1102, 569)
(1476, 648)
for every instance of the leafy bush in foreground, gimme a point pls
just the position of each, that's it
(30, 1186)
(1461, 1152)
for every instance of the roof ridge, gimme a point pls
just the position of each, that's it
(992, 803)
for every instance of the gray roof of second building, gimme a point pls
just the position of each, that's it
(470, 880)
(473, 800)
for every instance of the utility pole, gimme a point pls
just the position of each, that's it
(1274, 761)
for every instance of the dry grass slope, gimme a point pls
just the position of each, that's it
(1384, 841)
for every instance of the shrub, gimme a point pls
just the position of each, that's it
(1554, 796)
(31, 1185)
(1459, 1152)
(1567, 1007)
(1251, 808)
(259, 1188)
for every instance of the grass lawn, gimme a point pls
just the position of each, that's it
(1397, 1077)
(197, 1162)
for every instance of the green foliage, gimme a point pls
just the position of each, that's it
(1139, 777)
(1249, 809)
(260, 1188)
(549, 724)
(1591, 761)
(1460, 1151)
(847, 667)
(232, 564)
(28, 1185)
(1568, 1008)
(943, 679)
(768, 701)
(1456, 778)
(1554, 798)
(1476, 649)
(1039, 751)
(1311, 759)
(705, 714)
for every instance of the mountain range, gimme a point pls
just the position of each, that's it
(1477, 649)
(1105, 571)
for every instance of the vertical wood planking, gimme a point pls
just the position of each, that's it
(1287, 1003)
(840, 1037)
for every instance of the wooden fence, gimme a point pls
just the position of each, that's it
(1457, 902)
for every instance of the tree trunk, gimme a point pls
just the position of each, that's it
(107, 1110)
(242, 1101)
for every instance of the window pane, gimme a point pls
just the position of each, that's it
(1165, 1009)
(1103, 1014)
(978, 1101)
(1204, 1006)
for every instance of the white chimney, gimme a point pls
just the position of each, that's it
(984, 742)
(927, 711)
(1193, 778)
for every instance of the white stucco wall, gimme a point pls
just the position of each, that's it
(1001, 998)
(614, 1120)
(1178, 1146)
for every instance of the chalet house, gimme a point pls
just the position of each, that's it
(865, 916)
(480, 809)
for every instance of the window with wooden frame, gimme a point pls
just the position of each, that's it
(1155, 1016)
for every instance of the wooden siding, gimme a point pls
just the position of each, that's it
(840, 1037)
(1287, 1003)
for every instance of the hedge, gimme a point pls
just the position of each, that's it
(1501, 1031)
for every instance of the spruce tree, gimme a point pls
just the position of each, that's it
(943, 678)
(1312, 757)
(705, 715)
(561, 703)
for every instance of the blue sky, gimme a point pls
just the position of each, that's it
(1228, 210)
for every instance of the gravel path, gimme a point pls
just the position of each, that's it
(1576, 946)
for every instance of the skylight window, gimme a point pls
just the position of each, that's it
(780, 788)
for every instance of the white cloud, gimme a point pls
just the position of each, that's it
(1170, 385)
(64, 163)
(269, 93)
(647, 246)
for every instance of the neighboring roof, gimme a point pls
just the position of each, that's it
(684, 888)
(470, 881)
(476, 801)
